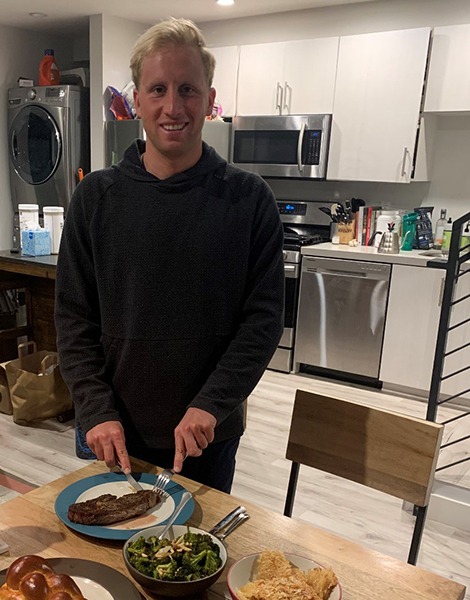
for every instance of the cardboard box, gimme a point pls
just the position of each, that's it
(35, 242)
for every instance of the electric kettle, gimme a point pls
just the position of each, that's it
(389, 243)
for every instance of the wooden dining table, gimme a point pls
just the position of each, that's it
(29, 525)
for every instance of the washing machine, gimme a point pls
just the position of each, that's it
(48, 137)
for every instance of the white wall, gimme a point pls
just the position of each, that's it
(111, 42)
(20, 54)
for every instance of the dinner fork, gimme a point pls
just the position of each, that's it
(163, 480)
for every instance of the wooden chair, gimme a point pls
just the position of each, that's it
(387, 451)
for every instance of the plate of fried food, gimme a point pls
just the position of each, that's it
(107, 507)
(273, 575)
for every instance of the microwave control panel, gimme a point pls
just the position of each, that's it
(311, 147)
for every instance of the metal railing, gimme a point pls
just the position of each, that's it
(457, 267)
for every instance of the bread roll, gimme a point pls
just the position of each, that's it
(31, 578)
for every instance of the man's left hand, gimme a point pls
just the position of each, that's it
(193, 434)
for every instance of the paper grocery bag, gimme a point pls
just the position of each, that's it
(5, 402)
(37, 390)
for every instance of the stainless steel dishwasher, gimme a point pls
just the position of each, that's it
(341, 318)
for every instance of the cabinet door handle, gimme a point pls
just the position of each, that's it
(287, 87)
(441, 292)
(279, 92)
(403, 162)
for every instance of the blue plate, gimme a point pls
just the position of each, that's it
(116, 483)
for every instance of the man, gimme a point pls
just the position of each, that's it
(170, 279)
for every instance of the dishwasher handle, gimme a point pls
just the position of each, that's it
(335, 272)
(346, 268)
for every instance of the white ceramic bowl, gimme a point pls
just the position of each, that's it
(174, 589)
(243, 571)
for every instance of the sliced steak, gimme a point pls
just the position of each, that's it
(107, 509)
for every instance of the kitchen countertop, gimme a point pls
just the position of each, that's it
(50, 260)
(413, 258)
(35, 266)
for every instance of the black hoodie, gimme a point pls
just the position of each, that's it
(169, 294)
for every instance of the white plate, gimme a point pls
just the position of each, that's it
(96, 581)
(243, 571)
(116, 484)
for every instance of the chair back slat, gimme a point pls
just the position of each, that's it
(384, 450)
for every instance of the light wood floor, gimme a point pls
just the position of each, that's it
(37, 455)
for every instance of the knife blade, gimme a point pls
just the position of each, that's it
(227, 519)
(135, 484)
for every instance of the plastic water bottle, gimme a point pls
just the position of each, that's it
(48, 69)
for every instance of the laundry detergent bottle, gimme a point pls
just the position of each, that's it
(48, 69)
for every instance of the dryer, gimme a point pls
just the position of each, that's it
(48, 136)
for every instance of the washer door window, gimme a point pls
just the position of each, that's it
(35, 145)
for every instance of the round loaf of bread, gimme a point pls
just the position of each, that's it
(31, 578)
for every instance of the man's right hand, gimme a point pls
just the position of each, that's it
(108, 442)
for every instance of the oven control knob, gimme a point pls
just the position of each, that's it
(32, 94)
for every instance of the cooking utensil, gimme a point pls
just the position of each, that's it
(389, 242)
(182, 503)
(356, 203)
(327, 211)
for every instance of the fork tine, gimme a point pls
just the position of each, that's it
(162, 480)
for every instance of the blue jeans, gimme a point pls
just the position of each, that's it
(215, 468)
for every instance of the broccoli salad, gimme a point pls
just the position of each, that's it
(189, 557)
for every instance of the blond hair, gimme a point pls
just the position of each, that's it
(172, 31)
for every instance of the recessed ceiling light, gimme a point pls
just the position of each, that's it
(225, 2)
(37, 15)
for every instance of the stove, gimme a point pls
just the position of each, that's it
(294, 241)
(304, 225)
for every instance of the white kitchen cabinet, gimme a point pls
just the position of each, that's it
(413, 312)
(458, 338)
(295, 77)
(448, 85)
(225, 77)
(378, 95)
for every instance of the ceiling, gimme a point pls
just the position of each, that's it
(67, 14)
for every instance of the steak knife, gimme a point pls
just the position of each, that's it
(135, 484)
(227, 519)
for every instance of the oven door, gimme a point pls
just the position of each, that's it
(282, 358)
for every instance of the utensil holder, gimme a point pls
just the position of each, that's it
(345, 232)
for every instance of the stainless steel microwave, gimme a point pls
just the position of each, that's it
(282, 146)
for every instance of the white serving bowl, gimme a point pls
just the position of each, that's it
(173, 589)
(243, 571)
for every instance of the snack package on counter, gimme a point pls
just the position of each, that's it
(424, 239)
(117, 105)
(128, 95)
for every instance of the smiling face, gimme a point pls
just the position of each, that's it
(173, 101)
